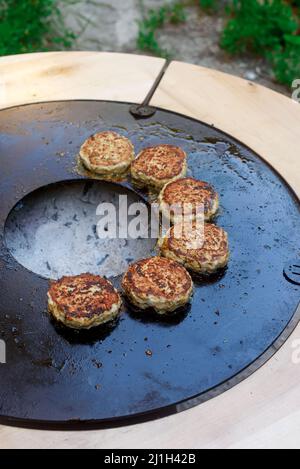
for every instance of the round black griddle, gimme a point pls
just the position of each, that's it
(142, 367)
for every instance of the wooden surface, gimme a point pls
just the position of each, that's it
(263, 411)
(76, 75)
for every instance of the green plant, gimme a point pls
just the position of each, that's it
(177, 13)
(153, 21)
(208, 5)
(31, 26)
(268, 28)
(258, 26)
(286, 62)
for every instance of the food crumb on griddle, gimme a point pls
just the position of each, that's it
(97, 364)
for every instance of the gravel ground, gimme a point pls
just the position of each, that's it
(113, 26)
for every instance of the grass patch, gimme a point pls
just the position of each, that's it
(265, 28)
(286, 61)
(268, 28)
(258, 27)
(31, 26)
(209, 5)
(154, 20)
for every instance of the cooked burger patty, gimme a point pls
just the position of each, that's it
(191, 195)
(83, 301)
(158, 283)
(107, 153)
(202, 251)
(156, 166)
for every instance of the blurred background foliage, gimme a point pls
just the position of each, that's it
(261, 28)
(32, 26)
(269, 29)
(265, 28)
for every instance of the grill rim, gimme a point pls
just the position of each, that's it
(199, 398)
